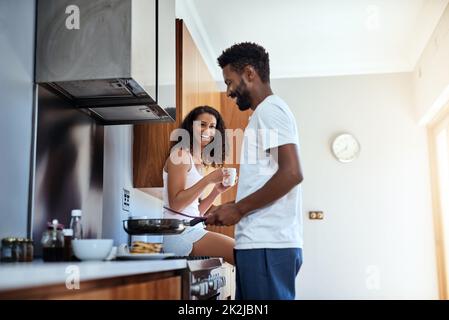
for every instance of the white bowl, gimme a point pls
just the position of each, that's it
(92, 249)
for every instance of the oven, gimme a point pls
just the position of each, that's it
(206, 278)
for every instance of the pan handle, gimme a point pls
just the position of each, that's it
(195, 221)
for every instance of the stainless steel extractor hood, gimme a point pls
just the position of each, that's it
(113, 59)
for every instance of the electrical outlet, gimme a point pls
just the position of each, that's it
(316, 215)
(125, 200)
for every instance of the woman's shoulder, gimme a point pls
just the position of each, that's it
(179, 156)
(180, 152)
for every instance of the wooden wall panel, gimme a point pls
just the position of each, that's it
(207, 86)
(190, 74)
(235, 119)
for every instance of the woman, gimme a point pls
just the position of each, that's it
(184, 185)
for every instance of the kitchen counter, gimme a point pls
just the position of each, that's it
(20, 276)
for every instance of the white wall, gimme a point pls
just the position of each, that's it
(118, 175)
(431, 79)
(376, 240)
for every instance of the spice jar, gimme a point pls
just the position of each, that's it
(29, 250)
(20, 249)
(9, 250)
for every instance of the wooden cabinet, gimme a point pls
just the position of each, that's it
(194, 87)
(163, 289)
(158, 286)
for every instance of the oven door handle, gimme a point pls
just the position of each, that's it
(214, 297)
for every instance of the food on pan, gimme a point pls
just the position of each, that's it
(145, 247)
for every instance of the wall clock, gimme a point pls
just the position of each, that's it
(345, 147)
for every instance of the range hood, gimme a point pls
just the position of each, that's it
(113, 59)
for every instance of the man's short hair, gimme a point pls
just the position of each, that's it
(247, 53)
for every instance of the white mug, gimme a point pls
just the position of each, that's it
(230, 180)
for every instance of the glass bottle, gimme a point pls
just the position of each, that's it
(75, 225)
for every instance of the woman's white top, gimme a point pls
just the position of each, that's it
(193, 176)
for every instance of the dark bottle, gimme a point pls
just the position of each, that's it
(68, 252)
(53, 243)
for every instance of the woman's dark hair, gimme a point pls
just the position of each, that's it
(242, 54)
(187, 124)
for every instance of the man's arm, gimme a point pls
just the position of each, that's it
(289, 175)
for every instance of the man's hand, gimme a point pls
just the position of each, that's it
(224, 215)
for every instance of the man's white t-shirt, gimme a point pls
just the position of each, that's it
(279, 224)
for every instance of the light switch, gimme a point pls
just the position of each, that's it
(125, 200)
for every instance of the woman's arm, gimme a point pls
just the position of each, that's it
(207, 202)
(178, 196)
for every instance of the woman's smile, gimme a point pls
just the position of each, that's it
(205, 137)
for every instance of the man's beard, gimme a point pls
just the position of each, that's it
(243, 100)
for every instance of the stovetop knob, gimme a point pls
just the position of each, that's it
(204, 288)
(195, 289)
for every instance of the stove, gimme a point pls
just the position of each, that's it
(206, 278)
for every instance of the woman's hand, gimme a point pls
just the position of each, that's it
(217, 176)
(220, 188)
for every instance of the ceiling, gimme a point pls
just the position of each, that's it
(308, 38)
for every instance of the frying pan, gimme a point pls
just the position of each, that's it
(160, 226)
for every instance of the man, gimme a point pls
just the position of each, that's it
(267, 211)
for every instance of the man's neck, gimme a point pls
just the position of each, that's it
(260, 95)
